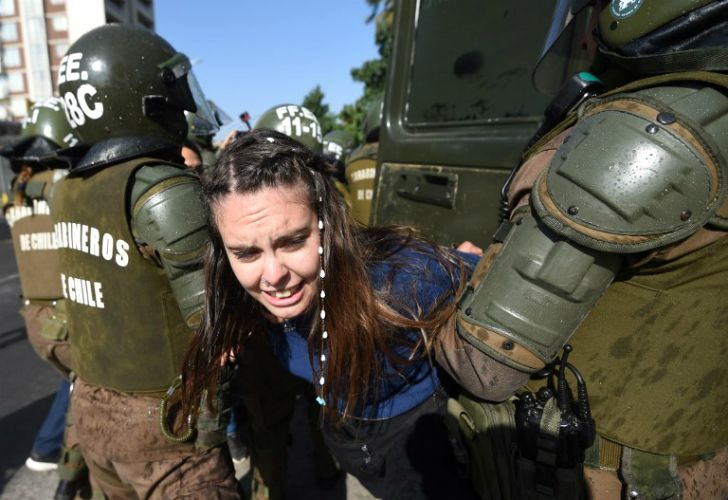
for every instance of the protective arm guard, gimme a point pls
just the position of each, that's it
(637, 173)
(167, 215)
(522, 306)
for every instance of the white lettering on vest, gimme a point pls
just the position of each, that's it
(81, 291)
(363, 174)
(85, 239)
(14, 214)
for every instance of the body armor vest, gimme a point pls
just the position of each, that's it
(653, 349)
(36, 250)
(360, 173)
(126, 329)
(653, 353)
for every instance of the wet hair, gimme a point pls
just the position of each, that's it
(363, 327)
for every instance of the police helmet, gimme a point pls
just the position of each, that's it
(337, 145)
(295, 121)
(44, 131)
(122, 81)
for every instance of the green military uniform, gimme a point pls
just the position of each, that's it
(618, 245)
(361, 165)
(201, 132)
(360, 173)
(336, 148)
(28, 216)
(44, 131)
(36, 253)
(131, 232)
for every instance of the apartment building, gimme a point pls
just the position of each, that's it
(35, 34)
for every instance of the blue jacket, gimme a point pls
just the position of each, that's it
(417, 279)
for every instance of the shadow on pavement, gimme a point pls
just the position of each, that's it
(17, 432)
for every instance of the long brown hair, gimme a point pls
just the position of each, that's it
(362, 322)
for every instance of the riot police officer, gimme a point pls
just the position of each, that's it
(45, 130)
(337, 146)
(200, 133)
(361, 165)
(131, 233)
(617, 244)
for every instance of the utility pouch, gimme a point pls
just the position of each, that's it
(554, 431)
(483, 435)
(55, 328)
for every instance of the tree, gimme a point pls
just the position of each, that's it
(314, 101)
(372, 73)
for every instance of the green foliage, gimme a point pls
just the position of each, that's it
(372, 73)
(314, 101)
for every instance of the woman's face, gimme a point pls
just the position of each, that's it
(271, 238)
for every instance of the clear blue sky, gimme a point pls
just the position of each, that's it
(254, 54)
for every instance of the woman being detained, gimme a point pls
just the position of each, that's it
(353, 310)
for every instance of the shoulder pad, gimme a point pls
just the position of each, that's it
(167, 212)
(633, 175)
(150, 175)
(58, 175)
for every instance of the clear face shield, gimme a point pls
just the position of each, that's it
(222, 117)
(189, 97)
(569, 47)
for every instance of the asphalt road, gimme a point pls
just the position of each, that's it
(27, 387)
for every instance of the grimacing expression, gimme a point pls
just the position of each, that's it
(271, 239)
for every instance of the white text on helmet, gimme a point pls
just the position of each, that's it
(78, 108)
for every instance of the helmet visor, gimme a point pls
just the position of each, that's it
(566, 50)
(205, 116)
(190, 97)
(222, 117)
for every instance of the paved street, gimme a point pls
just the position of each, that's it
(27, 387)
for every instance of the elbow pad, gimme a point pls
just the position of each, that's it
(167, 214)
(522, 306)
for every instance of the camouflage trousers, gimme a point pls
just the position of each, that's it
(57, 352)
(129, 458)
